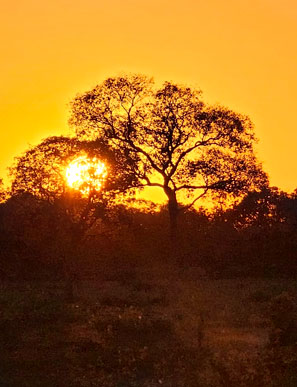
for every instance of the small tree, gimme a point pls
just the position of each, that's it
(178, 143)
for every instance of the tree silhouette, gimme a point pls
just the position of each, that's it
(265, 224)
(177, 142)
(3, 193)
(40, 171)
(264, 209)
(259, 208)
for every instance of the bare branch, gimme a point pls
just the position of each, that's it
(188, 186)
(184, 208)
(150, 184)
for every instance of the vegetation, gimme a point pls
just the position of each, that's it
(146, 329)
(176, 141)
(91, 292)
(40, 174)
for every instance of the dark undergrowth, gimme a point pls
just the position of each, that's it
(148, 330)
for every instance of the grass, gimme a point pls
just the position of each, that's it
(146, 327)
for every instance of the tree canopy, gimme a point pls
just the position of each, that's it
(177, 141)
(41, 169)
(2, 192)
(265, 209)
(40, 175)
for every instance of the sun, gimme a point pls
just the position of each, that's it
(86, 174)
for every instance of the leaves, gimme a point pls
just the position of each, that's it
(171, 135)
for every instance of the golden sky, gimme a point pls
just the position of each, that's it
(241, 53)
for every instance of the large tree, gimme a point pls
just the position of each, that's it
(180, 144)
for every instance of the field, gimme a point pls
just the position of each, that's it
(143, 327)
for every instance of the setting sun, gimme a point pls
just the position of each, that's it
(86, 174)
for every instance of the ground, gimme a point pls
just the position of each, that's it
(145, 327)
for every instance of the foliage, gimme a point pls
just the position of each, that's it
(135, 340)
(177, 142)
(264, 209)
(279, 357)
(283, 316)
(88, 343)
(35, 231)
(35, 235)
(4, 194)
(41, 169)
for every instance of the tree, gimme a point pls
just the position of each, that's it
(179, 143)
(3, 192)
(41, 172)
(41, 169)
(261, 209)
(265, 224)
(264, 209)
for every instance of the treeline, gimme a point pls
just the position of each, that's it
(146, 136)
(257, 237)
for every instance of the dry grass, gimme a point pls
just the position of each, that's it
(140, 327)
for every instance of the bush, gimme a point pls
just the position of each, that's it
(283, 317)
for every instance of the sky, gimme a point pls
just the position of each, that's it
(240, 53)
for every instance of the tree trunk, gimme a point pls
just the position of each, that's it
(173, 211)
(173, 217)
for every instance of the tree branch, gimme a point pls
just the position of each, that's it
(189, 150)
(187, 186)
(150, 184)
(184, 208)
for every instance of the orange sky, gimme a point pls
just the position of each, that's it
(241, 53)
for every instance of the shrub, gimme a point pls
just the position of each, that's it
(283, 317)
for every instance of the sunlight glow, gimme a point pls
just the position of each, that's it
(85, 175)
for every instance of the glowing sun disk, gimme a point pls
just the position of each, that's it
(85, 174)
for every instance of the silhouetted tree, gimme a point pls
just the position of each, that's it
(3, 192)
(177, 142)
(264, 209)
(259, 208)
(31, 232)
(288, 208)
(41, 171)
(265, 224)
